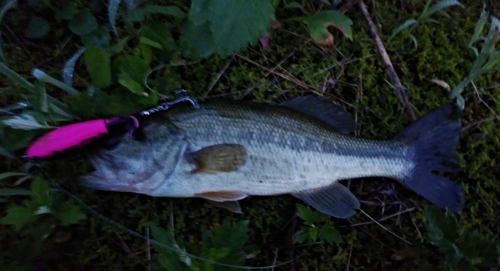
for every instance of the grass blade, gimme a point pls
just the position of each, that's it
(128, 5)
(16, 78)
(8, 5)
(42, 76)
(1, 50)
(402, 27)
(478, 30)
(414, 40)
(69, 67)
(41, 95)
(5, 153)
(439, 6)
(6, 175)
(112, 11)
(14, 192)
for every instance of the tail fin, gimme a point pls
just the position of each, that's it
(434, 138)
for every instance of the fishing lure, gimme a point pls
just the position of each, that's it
(82, 133)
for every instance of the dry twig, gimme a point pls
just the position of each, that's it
(217, 78)
(386, 229)
(400, 90)
(284, 76)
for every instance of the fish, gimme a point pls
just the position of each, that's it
(225, 151)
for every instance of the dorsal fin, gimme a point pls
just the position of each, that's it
(323, 109)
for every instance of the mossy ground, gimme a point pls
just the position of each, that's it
(361, 84)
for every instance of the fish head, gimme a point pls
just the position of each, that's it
(138, 166)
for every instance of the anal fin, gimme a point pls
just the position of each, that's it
(335, 200)
(221, 196)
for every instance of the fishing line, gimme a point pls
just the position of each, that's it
(138, 235)
(161, 66)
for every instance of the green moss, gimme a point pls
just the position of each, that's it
(442, 53)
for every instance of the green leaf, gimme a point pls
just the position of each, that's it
(40, 192)
(197, 41)
(69, 213)
(67, 10)
(133, 86)
(133, 71)
(301, 236)
(37, 27)
(232, 24)
(232, 237)
(140, 14)
(146, 52)
(318, 25)
(98, 65)
(313, 233)
(134, 66)
(215, 254)
(18, 217)
(83, 23)
(442, 230)
(294, 4)
(162, 236)
(275, 3)
(159, 33)
(307, 214)
(150, 42)
(118, 47)
(329, 234)
(98, 38)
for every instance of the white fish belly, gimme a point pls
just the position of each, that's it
(271, 170)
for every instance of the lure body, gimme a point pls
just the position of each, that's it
(82, 133)
(77, 134)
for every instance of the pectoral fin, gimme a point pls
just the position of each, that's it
(219, 158)
(232, 206)
(335, 200)
(221, 196)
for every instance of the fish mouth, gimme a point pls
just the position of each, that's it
(96, 181)
(105, 177)
(141, 174)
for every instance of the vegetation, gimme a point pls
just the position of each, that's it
(67, 61)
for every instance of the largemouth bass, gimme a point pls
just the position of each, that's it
(225, 151)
